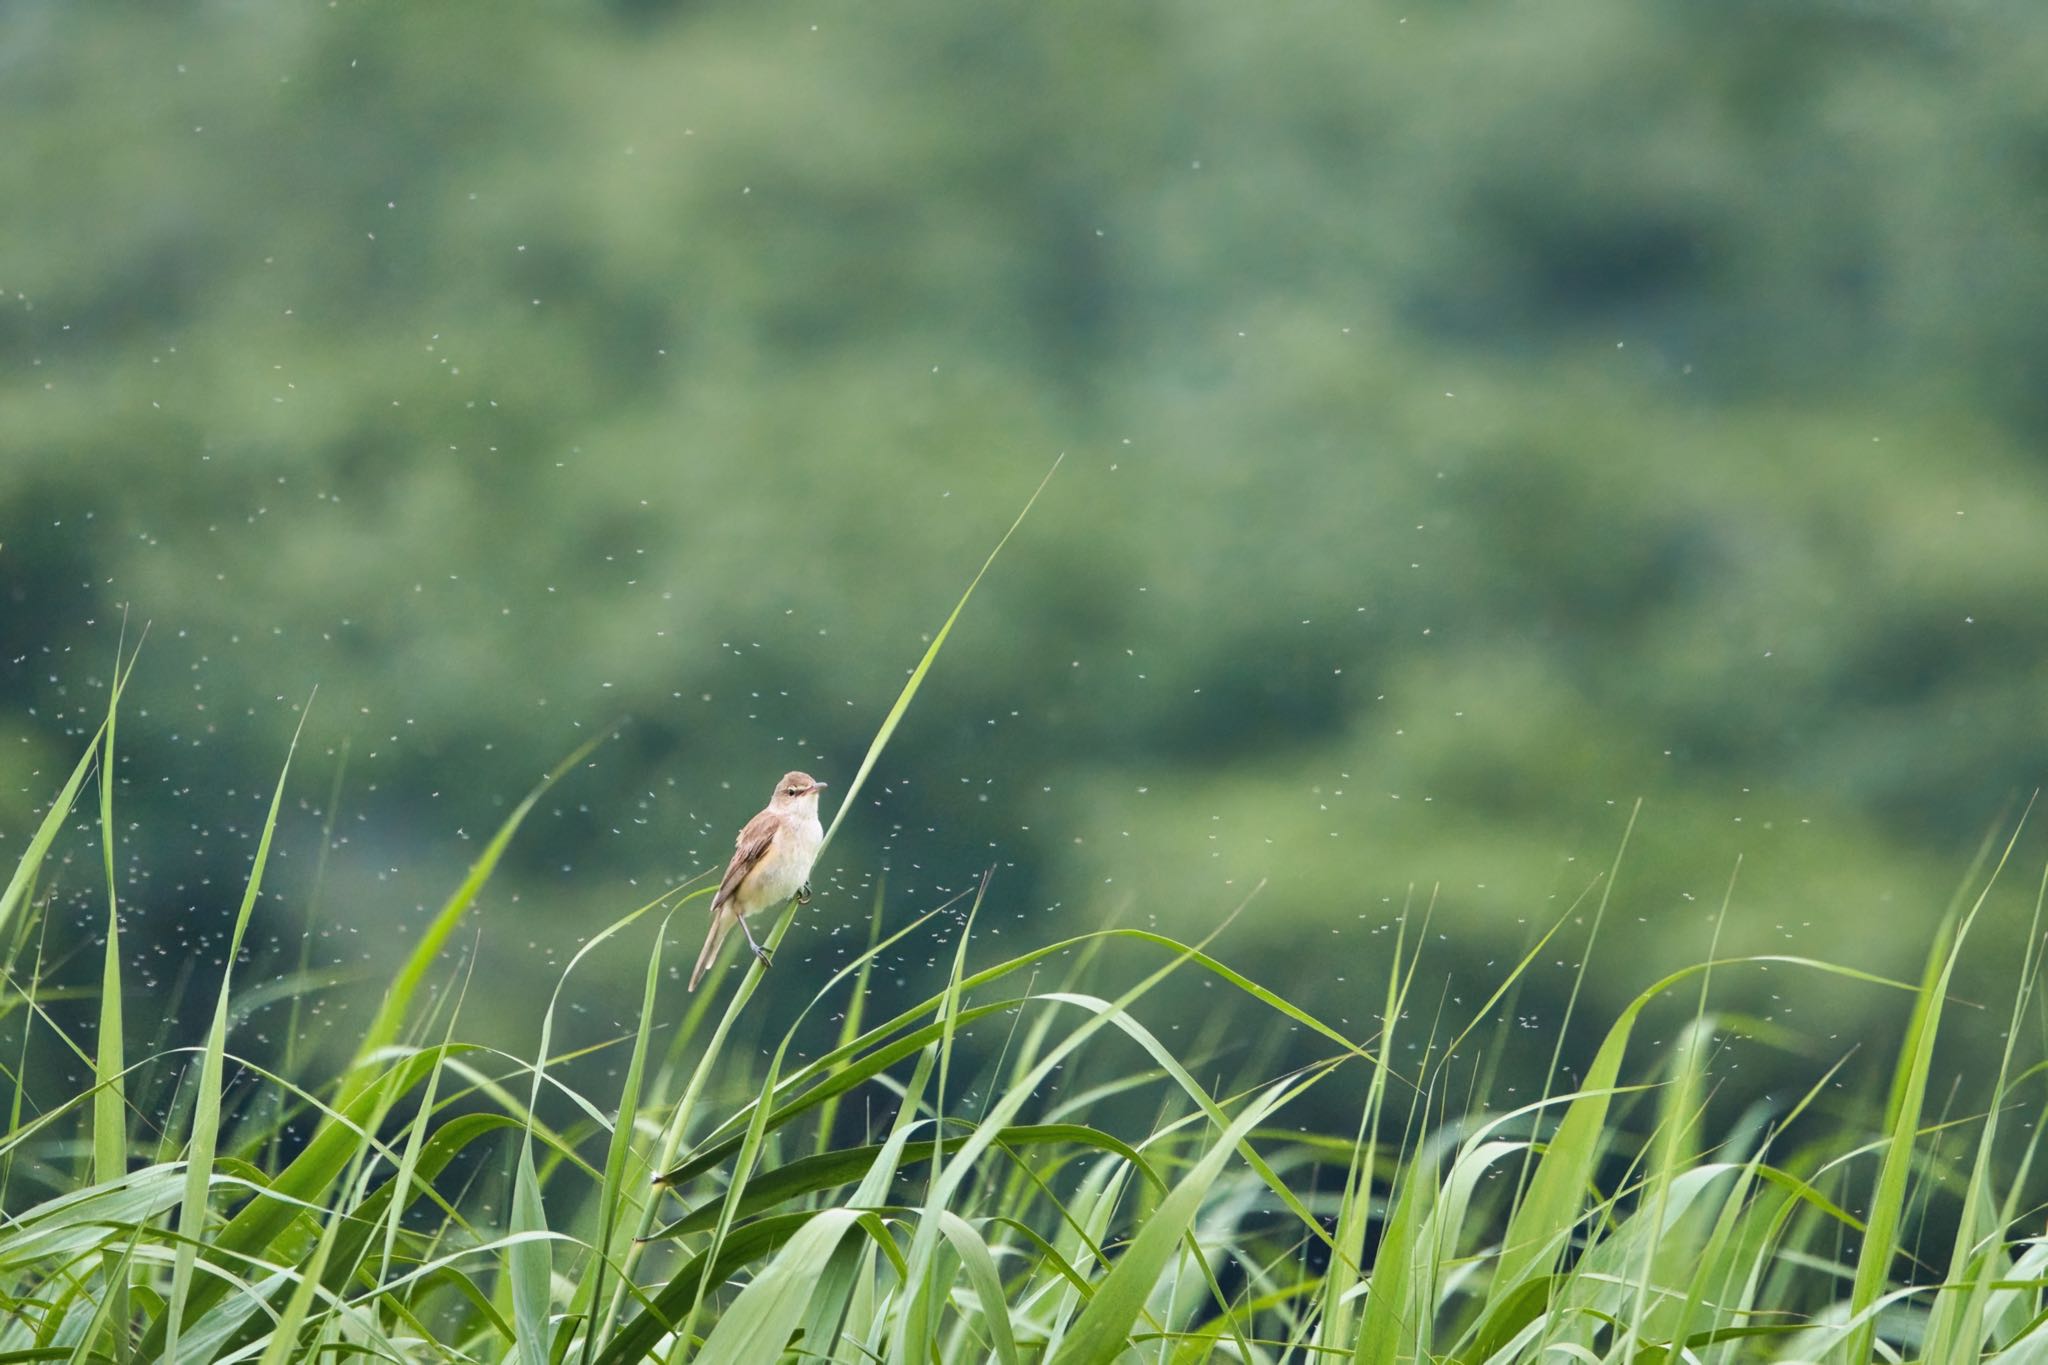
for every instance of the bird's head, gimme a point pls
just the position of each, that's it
(797, 791)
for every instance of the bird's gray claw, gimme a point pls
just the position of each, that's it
(766, 958)
(803, 894)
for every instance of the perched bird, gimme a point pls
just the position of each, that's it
(770, 863)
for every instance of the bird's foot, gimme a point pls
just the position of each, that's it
(764, 957)
(803, 894)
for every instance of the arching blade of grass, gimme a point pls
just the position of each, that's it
(530, 1262)
(664, 1312)
(1721, 1261)
(840, 1073)
(955, 1172)
(846, 1277)
(757, 1127)
(283, 1345)
(758, 1322)
(365, 1217)
(1388, 1327)
(815, 1174)
(1102, 1331)
(206, 1111)
(710, 1154)
(987, 1283)
(328, 1153)
(110, 1122)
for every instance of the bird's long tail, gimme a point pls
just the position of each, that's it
(721, 925)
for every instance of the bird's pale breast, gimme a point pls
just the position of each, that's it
(784, 868)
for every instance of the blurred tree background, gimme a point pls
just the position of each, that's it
(1476, 418)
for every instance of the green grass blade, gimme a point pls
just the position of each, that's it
(1909, 1090)
(31, 860)
(618, 1154)
(1550, 1208)
(1102, 1332)
(206, 1112)
(815, 1174)
(110, 1098)
(531, 1261)
(917, 674)
(397, 1002)
(987, 1284)
(759, 1322)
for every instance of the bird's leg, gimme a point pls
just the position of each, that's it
(766, 958)
(803, 894)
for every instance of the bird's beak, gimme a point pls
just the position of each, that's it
(819, 786)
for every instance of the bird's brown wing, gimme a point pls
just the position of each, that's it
(752, 846)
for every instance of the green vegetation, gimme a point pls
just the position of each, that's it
(438, 1200)
(1439, 854)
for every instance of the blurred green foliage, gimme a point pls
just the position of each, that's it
(1476, 418)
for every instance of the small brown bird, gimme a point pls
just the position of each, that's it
(770, 863)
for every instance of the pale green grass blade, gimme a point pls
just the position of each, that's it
(1189, 1086)
(110, 1098)
(1336, 1312)
(110, 1120)
(530, 1260)
(1102, 1332)
(330, 1151)
(618, 1155)
(415, 1143)
(282, 1348)
(1909, 1089)
(31, 860)
(192, 1213)
(1957, 1320)
(758, 1322)
(662, 1315)
(874, 1181)
(847, 1282)
(845, 1278)
(109, 1312)
(713, 1151)
(986, 1282)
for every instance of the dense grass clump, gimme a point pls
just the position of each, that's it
(1018, 1168)
(998, 1202)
